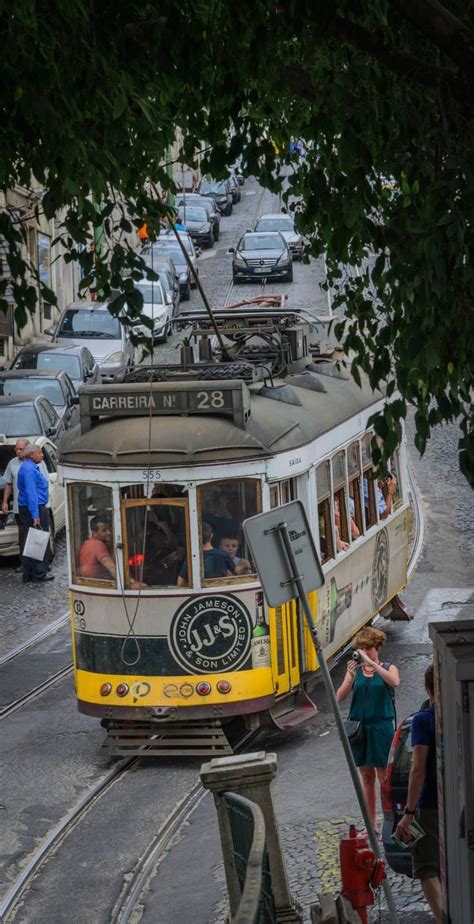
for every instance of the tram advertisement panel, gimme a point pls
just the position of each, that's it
(203, 633)
(361, 583)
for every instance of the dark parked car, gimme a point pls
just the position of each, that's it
(55, 386)
(218, 190)
(262, 255)
(394, 796)
(198, 224)
(77, 361)
(175, 254)
(205, 202)
(30, 416)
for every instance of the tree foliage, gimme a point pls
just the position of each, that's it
(92, 95)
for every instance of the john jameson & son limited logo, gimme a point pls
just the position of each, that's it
(211, 634)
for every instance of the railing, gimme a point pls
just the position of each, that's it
(247, 826)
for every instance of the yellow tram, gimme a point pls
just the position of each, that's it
(169, 622)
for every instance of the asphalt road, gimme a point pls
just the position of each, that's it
(50, 755)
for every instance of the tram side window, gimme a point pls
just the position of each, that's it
(340, 507)
(355, 499)
(223, 506)
(157, 542)
(282, 492)
(323, 484)
(92, 534)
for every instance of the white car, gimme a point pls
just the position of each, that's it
(57, 517)
(158, 307)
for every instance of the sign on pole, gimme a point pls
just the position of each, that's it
(268, 552)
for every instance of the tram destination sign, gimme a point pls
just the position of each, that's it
(229, 398)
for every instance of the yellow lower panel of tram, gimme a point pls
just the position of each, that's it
(173, 691)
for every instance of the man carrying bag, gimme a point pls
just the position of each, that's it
(32, 511)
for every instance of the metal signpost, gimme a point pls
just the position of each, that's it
(287, 562)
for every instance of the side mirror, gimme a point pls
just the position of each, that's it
(231, 250)
(169, 300)
(49, 331)
(51, 431)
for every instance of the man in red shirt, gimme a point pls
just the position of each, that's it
(95, 558)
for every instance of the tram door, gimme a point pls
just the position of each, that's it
(284, 619)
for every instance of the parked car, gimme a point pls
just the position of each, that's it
(394, 791)
(92, 325)
(218, 190)
(158, 307)
(167, 239)
(55, 386)
(286, 226)
(175, 254)
(77, 361)
(197, 223)
(32, 416)
(166, 269)
(263, 255)
(205, 202)
(8, 528)
(234, 188)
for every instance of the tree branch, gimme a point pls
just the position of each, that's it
(444, 29)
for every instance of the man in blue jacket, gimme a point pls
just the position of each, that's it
(32, 510)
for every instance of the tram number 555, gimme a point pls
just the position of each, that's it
(210, 399)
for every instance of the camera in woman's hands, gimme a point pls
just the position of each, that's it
(356, 657)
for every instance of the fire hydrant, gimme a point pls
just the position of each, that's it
(361, 872)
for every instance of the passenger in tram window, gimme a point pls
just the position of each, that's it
(96, 559)
(217, 513)
(341, 544)
(217, 562)
(355, 508)
(230, 544)
(387, 488)
(325, 532)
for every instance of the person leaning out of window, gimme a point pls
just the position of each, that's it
(372, 683)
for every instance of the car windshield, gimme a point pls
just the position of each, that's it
(171, 243)
(196, 202)
(79, 322)
(188, 214)
(261, 242)
(47, 388)
(275, 224)
(19, 420)
(57, 361)
(176, 255)
(207, 186)
(151, 294)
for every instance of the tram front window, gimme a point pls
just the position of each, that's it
(92, 534)
(223, 506)
(157, 540)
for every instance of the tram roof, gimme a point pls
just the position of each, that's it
(272, 427)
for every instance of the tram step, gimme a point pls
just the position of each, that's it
(145, 740)
(293, 712)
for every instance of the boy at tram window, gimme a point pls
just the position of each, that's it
(230, 544)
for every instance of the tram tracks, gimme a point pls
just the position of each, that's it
(36, 691)
(34, 639)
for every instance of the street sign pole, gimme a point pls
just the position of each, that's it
(295, 583)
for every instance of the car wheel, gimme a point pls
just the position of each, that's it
(235, 280)
(228, 210)
(216, 235)
(289, 277)
(52, 538)
(187, 295)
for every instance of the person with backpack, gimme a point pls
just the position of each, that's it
(372, 715)
(422, 802)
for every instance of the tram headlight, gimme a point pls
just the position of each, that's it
(224, 686)
(203, 688)
(122, 689)
(105, 689)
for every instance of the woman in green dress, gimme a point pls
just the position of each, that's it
(372, 683)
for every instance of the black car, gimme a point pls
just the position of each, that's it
(175, 254)
(198, 224)
(76, 361)
(262, 255)
(394, 791)
(205, 202)
(219, 190)
(56, 387)
(30, 416)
